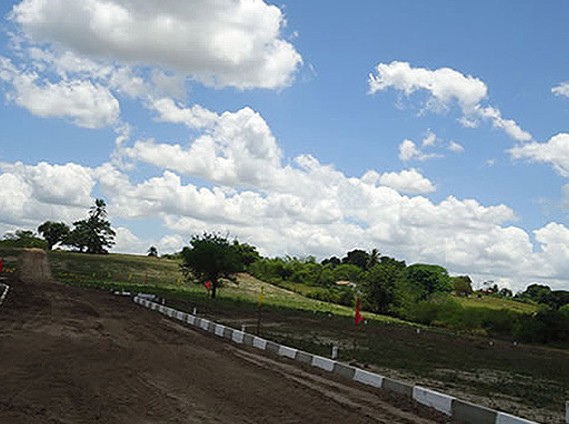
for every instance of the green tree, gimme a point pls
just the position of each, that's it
(536, 292)
(373, 258)
(152, 252)
(380, 287)
(348, 272)
(462, 285)
(357, 257)
(210, 257)
(248, 253)
(428, 279)
(94, 234)
(23, 238)
(53, 232)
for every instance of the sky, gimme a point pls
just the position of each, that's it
(436, 132)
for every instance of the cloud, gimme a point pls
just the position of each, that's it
(455, 147)
(555, 152)
(561, 89)
(221, 43)
(407, 181)
(236, 147)
(430, 139)
(408, 150)
(30, 194)
(446, 87)
(86, 104)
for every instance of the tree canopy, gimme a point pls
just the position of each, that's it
(211, 257)
(94, 234)
(54, 232)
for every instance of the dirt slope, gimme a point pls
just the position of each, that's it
(70, 355)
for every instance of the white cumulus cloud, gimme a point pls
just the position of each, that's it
(446, 87)
(235, 43)
(86, 104)
(554, 152)
(561, 89)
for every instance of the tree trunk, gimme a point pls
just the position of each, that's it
(213, 288)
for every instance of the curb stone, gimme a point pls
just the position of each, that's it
(4, 288)
(463, 411)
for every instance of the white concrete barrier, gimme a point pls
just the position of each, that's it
(432, 399)
(503, 418)
(287, 352)
(259, 343)
(323, 363)
(219, 329)
(237, 336)
(4, 288)
(369, 378)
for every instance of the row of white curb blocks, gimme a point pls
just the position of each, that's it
(4, 289)
(460, 410)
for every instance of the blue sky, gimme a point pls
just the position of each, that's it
(433, 131)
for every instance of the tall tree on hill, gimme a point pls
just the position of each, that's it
(212, 258)
(357, 257)
(53, 232)
(94, 234)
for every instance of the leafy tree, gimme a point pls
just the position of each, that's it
(462, 285)
(348, 272)
(536, 292)
(333, 261)
(357, 257)
(53, 232)
(248, 253)
(373, 258)
(152, 252)
(557, 299)
(380, 287)
(428, 279)
(94, 234)
(505, 292)
(23, 238)
(211, 257)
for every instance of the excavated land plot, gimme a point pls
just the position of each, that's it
(70, 355)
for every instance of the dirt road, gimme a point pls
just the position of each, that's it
(70, 355)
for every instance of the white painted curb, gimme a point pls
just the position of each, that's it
(503, 418)
(432, 399)
(5, 288)
(287, 352)
(369, 378)
(323, 363)
(259, 343)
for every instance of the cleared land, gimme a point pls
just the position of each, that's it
(71, 355)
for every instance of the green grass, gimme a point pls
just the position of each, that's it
(496, 303)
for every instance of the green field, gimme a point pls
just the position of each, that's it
(497, 303)
(531, 381)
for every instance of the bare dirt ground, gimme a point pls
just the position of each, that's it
(70, 355)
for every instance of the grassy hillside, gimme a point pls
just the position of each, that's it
(497, 303)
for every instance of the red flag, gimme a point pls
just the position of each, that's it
(1, 264)
(359, 317)
(208, 285)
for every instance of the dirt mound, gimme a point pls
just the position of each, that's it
(34, 266)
